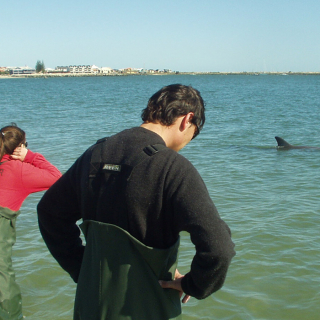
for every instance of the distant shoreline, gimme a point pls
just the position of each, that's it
(54, 75)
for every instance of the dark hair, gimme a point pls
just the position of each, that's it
(173, 101)
(10, 138)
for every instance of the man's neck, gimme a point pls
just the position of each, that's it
(156, 128)
(167, 133)
(170, 134)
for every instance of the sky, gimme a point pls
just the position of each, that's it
(181, 35)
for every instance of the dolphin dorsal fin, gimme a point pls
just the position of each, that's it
(282, 142)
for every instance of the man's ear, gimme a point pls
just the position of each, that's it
(186, 121)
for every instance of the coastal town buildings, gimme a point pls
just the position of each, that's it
(18, 70)
(78, 70)
(106, 70)
(62, 69)
(84, 69)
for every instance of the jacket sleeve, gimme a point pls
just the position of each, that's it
(38, 174)
(58, 213)
(196, 214)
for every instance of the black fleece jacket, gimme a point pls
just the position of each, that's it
(164, 196)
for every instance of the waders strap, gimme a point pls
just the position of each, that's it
(97, 163)
(96, 158)
(147, 152)
(99, 168)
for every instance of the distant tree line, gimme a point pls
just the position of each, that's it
(40, 67)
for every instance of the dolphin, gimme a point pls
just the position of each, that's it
(283, 144)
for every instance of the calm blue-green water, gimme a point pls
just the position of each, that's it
(269, 198)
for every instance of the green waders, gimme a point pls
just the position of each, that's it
(119, 277)
(10, 295)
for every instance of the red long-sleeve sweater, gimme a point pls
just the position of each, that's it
(18, 179)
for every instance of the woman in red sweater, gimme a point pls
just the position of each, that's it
(21, 172)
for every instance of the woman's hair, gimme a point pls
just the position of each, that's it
(173, 101)
(10, 138)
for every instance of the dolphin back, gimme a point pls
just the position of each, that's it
(283, 143)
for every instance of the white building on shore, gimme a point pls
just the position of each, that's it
(106, 70)
(87, 69)
(84, 69)
(62, 69)
(21, 70)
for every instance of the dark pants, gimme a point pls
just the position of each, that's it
(10, 295)
(119, 277)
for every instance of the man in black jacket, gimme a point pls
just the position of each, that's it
(135, 194)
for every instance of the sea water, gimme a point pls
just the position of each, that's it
(268, 197)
